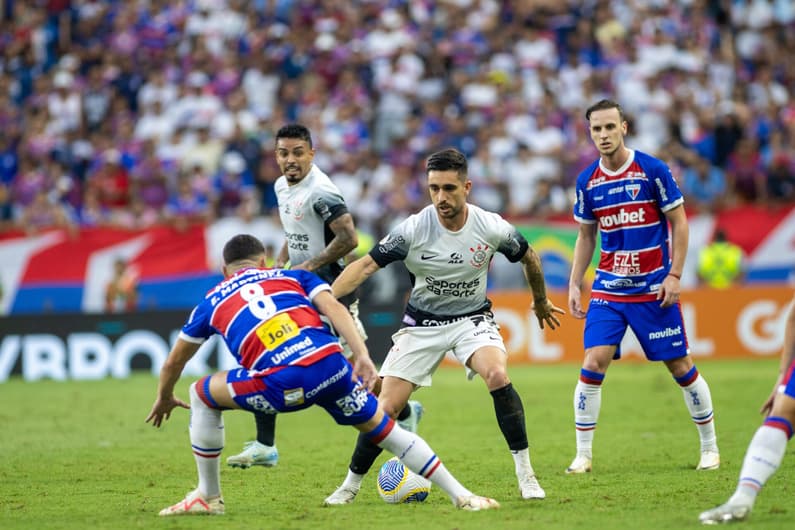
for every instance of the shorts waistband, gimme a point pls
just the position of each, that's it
(415, 318)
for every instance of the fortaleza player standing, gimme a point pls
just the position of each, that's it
(447, 248)
(630, 197)
(270, 320)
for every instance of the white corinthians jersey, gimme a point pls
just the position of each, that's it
(306, 209)
(449, 269)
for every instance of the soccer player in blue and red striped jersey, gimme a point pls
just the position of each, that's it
(290, 360)
(630, 198)
(766, 450)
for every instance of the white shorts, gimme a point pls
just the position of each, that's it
(417, 351)
(354, 311)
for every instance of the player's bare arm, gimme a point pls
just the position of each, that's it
(363, 367)
(282, 258)
(583, 253)
(680, 233)
(354, 275)
(345, 240)
(543, 308)
(172, 368)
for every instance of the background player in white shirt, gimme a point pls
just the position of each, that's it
(447, 248)
(319, 233)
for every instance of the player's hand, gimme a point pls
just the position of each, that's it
(669, 291)
(767, 406)
(545, 312)
(575, 303)
(161, 410)
(364, 373)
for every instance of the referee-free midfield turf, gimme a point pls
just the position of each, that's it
(79, 455)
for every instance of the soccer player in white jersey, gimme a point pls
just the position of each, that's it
(319, 233)
(630, 198)
(447, 248)
(766, 450)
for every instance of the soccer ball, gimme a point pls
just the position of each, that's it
(397, 483)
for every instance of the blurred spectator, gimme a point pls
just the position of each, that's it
(745, 174)
(720, 264)
(121, 292)
(703, 184)
(233, 188)
(44, 212)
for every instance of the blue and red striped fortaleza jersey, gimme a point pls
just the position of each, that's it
(266, 318)
(629, 205)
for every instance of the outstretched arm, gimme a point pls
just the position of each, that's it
(354, 275)
(543, 308)
(166, 401)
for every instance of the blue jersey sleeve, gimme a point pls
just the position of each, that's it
(583, 210)
(311, 282)
(197, 328)
(666, 190)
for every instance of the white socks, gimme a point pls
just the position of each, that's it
(587, 403)
(699, 402)
(762, 459)
(207, 442)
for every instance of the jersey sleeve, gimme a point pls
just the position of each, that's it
(311, 282)
(197, 329)
(512, 244)
(329, 205)
(583, 213)
(394, 247)
(666, 190)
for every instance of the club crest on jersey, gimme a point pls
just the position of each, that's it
(632, 190)
(295, 209)
(479, 256)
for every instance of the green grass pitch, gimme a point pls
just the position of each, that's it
(78, 455)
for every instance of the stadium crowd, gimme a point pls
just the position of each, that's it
(131, 113)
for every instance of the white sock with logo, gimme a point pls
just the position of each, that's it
(207, 441)
(699, 402)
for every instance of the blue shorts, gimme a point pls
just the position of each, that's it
(660, 330)
(326, 383)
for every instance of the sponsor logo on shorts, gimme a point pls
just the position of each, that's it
(294, 397)
(353, 402)
(665, 333)
(328, 382)
(257, 402)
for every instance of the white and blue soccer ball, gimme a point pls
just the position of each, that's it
(398, 484)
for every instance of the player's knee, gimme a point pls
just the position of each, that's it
(496, 377)
(392, 409)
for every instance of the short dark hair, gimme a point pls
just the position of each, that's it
(447, 160)
(605, 104)
(295, 130)
(242, 247)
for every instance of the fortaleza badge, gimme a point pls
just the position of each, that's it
(479, 256)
